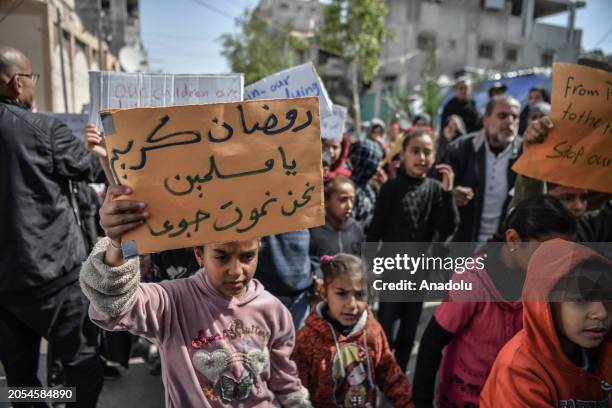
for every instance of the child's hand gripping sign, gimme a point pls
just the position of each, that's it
(218, 172)
(578, 149)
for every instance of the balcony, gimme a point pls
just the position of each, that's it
(545, 8)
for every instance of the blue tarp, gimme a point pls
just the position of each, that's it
(518, 87)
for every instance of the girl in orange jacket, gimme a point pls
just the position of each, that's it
(563, 355)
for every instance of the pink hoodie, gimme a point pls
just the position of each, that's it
(216, 351)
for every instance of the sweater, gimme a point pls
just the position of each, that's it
(413, 210)
(343, 371)
(216, 350)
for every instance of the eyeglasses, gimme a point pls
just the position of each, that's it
(34, 77)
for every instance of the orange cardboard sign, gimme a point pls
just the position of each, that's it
(218, 172)
(578, 149)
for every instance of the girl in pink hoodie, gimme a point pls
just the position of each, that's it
(224, 340)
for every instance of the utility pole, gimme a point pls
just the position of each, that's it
(99, 21)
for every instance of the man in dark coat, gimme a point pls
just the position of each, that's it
(482, 162)
(41, 245)
(463, 105)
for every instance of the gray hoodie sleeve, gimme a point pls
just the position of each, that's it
(110, 289)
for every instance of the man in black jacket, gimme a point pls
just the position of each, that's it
(41, 246)
(482, 163)
(463, 105)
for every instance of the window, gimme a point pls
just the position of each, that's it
(80, 46)
(426, 42)
(132, 8)
(284, 6)
(547, 59)
(485, 51)
(511, 54)
(517, 8)
(105, 5)
(452, 44)
(493, 4)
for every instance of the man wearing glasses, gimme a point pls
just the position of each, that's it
(482, 162)
(41, 246)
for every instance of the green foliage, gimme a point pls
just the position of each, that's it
(356, 31)
(430, 91)
(398, 103)
(259, 50)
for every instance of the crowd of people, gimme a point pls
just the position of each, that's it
(288, 319)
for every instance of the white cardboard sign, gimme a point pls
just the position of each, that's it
(296, 82)
(109, 89)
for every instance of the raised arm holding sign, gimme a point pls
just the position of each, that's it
(219, 172)
(577, 152)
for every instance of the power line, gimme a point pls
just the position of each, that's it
(10, 10)
(601, 41)
(174, 37)
(213, 8)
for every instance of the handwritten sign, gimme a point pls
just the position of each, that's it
(76, 122)
(296, 82)
(578, 149)
(332, 127)
(218, 172)
(129, 90)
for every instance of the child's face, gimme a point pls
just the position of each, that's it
(418, 156)
(334, 149)
(339, 206)
(584, 323)
(377, 132)
(346, 298)
(230, 266)
(574, 199)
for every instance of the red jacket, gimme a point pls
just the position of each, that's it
(348, 378)
(532, 371)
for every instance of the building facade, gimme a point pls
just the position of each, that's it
(301, 17)
(470, 35)
(119, 23)
(34, 27)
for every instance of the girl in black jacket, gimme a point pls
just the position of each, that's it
(413, 208)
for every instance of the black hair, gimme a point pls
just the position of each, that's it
(538, 216)
(332, 184)
(590, 280)
(413, 134)
(542, 91)
(341, 264)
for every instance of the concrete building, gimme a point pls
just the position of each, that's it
(502, 35)
(301, 17)
(120, 27)
(32, 27)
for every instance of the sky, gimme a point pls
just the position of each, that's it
(182, 36)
